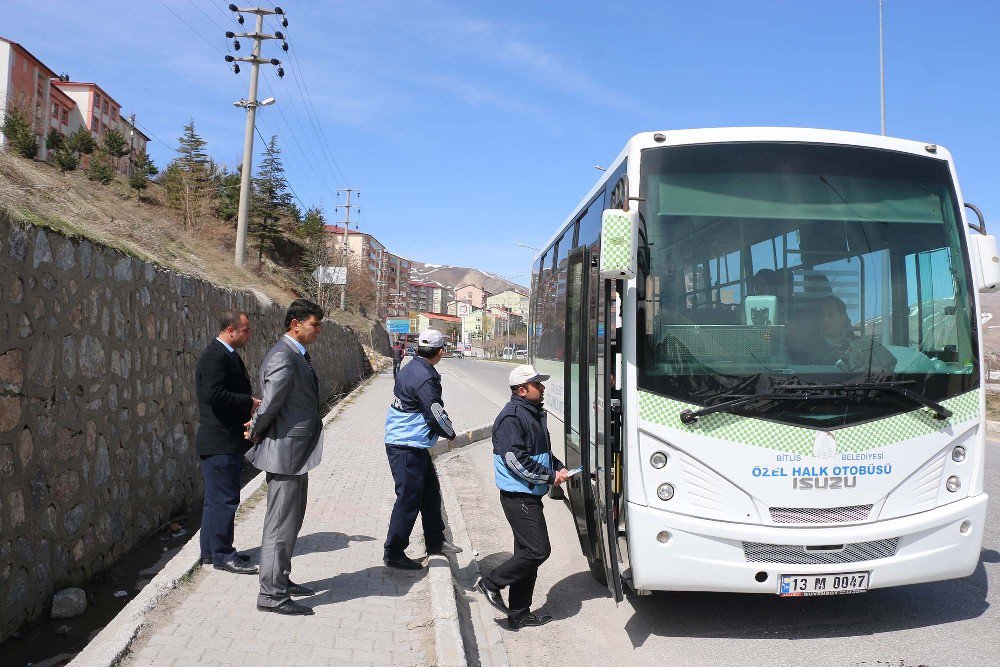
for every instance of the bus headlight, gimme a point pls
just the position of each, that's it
(953, 484)
(658, 460)
(665, 491)
(958, 454)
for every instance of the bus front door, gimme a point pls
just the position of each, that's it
(579, 413)
(607, 456)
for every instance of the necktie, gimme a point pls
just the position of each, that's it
(309, 360)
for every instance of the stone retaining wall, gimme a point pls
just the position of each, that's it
(97, 406)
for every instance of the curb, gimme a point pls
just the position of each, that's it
(993, 427)
(112, 643)
(490, 648)
(448, 643)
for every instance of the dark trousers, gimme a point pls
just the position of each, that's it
(286, 508)
(531, 549)
(417, 490)
(395, 367)
(222, 497)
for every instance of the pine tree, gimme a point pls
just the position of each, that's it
(188, 179)
(100, 168)
(65, 159)
(271, 199)
(227, 195)
(115, 145)
(142, 169)
(81, 142)
(19, 133)
(54, 140)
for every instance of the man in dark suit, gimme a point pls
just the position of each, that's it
(286, 433)
(225, 403)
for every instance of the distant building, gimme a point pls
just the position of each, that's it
(390, 273)
(472, 294)
(510, 300)
(54, 102)
(429, 297)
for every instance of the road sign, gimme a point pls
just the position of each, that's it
(463, 309)
(330, 275)
(398, 325)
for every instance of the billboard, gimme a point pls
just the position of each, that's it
(330, 275)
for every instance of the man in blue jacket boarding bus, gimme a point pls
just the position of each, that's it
(524, 467)
(413, 424)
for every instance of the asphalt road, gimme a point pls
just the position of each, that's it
(943, 623)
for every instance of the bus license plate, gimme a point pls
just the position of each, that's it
(823, 584)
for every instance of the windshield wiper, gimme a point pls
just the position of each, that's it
(897, 388)
(813, 392)
(689, 417)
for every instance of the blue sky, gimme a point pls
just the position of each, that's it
(471, 126)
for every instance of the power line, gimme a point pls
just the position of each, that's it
(181, 19)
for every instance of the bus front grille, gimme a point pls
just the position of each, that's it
(797, 554)
(849, 514)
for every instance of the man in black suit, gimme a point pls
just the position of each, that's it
(225, 402)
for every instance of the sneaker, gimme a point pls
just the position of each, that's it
(529, 620)
(492, 596)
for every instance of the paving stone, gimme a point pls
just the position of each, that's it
(364, 613)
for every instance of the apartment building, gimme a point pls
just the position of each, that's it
(472, 294)
(510, 300)
(429, 297)
(389, 272)
(51, 101)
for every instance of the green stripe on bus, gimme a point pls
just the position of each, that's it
(799, 440)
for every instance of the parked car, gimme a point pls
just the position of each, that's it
(521, 354)
(411, 350)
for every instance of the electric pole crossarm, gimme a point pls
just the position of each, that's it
(254, 61)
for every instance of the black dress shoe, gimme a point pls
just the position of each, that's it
(528, 621)
(237, 567)
(492, 596)
(244, 558)
(289, 608)
(445, 549)
(298, 591)
(402, 563)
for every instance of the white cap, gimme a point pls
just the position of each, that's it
(525, 373)
(430, 338)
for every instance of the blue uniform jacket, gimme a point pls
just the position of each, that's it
(522, 452)
(410, 421)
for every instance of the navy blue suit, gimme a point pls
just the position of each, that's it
(224, 404)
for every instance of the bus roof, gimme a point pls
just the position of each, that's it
(713, 135)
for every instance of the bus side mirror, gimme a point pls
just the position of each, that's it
(619, 244)
(985, 260)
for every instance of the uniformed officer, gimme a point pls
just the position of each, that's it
(524, 467)
(413, 424)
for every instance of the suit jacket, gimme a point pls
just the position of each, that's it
(224, 401)
(287, 429)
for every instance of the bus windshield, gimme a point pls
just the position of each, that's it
(769, 264)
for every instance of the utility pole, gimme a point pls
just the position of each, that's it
(251, 105)
(346, 249)
(131, 143)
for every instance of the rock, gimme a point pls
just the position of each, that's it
(16, 507)
(86, 252)
(65, 258)
(74, 520)
(6, 461)
(10, 412)
(69, 356)
(65, 486)
(63, 630)
(16, 290)
(121, 594)
(18, 246)
(11, 371)
(42, 356)
(43, 253)
(123, 269)
(24, 325)
(25, 446)
(38, 488)
(102, 466)
(91, 357)
(69, 603)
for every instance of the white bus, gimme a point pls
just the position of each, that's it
(765, 354)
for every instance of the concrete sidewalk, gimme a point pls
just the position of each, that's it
(366, 614)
